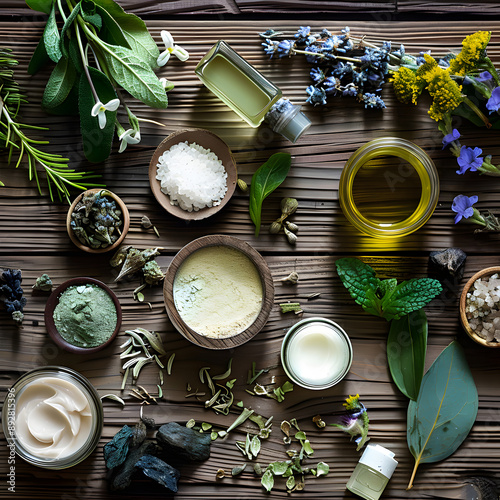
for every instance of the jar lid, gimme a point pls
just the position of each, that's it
(287, 119)
(379, 458)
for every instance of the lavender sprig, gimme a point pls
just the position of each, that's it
(464, 208)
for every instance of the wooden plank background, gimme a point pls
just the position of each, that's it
(33, 237)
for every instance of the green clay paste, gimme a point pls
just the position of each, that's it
(85, 316)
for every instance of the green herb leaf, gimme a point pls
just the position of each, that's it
(90, 15)
(307, 447)
(40, 5)
(278, 468)
(445, 411)
(264, 181)
(65, 28)
(51, 36)
(60, 83)
(39, 58)
(267, 480)
(96, 143)
(255, 446)
(290, 483)
(322, 469)
(406, 348)
(409, 296)
(134, 75)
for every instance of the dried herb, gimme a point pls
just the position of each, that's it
(277, 393)
(113, 397)
(292, 278)
(134, 260)
(43, 283)
(290, 307)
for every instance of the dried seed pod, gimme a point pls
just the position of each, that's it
(146, 222)
(292, 278)
(291, 237)
(288, 206)
(275, 227)
(119, 256)
(291, 226)
(242, 185)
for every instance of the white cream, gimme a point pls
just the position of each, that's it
(53, 418)
(317, 354)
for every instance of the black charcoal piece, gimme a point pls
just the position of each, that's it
(149, 422)
(138, 434)
(179, 441)
(159, 471)
(448, 263)
(115, 452)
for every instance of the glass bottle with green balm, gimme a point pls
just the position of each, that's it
(249, 93)
(372, 473)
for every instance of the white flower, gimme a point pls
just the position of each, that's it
(170, 48)
(129, 136)
(100, 109)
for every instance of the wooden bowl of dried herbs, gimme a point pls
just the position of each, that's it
(193, 174)
(83, 315)
(97, 221)
(480, 307)
(218, 292)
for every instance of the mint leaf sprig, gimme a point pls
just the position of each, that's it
(385, 298)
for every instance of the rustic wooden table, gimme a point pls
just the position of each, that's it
(33, 238)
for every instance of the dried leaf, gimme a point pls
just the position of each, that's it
(238, 469)
(290, 482)
(205, 426)
(160, 391)
(154, 340)
(170, 362)
(257, 468)
(247, 447)
(138, 367)
(240, 419)
(285, 427)
(255, 446)
(322, 469)
(158, 362)
(226, 374)
(113, 397)
(267, 480)
(213, 435)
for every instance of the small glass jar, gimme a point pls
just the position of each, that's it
(316, 353)
(422, 165)
(10, 411)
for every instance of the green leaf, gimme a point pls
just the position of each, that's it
(361, 282)
(278, 468)
(290, 482)
(406, 348)
(60, 84)
(134, 75)
(39, 58)
(90, 15)
(51, 37)
(96, 142)
(307, 447)
(69, 106)
(40, 5)
(134, 30)
(264, 181)
(322, 469)
(267, 480)
(255, 446)
(445, 411)
(74, 55)
(409, 296)
(111, 31)
(65, 28)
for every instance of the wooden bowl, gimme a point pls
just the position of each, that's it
(54, 300)
(123, 229)
(267, 291)
(208, 140)
(463, 318)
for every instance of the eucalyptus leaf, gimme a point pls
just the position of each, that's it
(39, 58)
(406, 348)
(51, 37)
(267, 480)
(265, 180)
(40, 5)
(60, 84)
(445, 411)
(134, 75)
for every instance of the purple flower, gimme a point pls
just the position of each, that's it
(462, 206)
(448, 139)
(493, 103)
(317, 75)
(373, 101)
(285, 48)
(331, 85)
(484, 76)
(270, 47)
(311, 58)
(316, 96)
(303, 32)
(469, 158)
(350, 90)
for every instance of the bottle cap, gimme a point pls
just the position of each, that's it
(379, 458)
(286, 119)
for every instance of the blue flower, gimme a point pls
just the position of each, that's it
(285, 48)
(317, 75)
(270, 47)
(311, 58)
(484, 76)
(316, 95)
(493, 103)
(421, 58)
(331, 85)
(350, 90)
(325, 33)
(469, 158)
(340, 70)
(331, 43)
(303, 32)
(346, 31)
(373, 101)
(449, 138)
(462, 206)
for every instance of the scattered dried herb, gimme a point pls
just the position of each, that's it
(43, 283)
(290, 307)
(147, 224)
(277, 393)
(292, 278)
(113, 397)
(133, 260)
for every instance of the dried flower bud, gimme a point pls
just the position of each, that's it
(275, 227)
(292, 278)
(145, 222)
(291, 237)
(43, 283)
(288, 206)
(291, 226)
(242, 185)
(220, 474)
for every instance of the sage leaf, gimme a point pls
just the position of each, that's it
(90, 15)
(267, 480)
(255, 446)
(445, 411)
(60, 84)
(40, 5)
(39, 58)
(406, 348)
(264, 181)
(96, 142)
(134, 75)
(51, 37)
(322, 469)
(66, 26)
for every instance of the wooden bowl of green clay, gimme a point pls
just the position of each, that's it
(124, 228)
(83, 315)
(218, 292)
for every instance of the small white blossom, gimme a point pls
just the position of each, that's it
(170, 48)
(100, 109)
(127, 137)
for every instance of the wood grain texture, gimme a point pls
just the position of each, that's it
(33, 237)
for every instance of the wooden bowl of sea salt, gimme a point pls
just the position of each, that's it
(192, 182)
(480, 307)
(218, 292)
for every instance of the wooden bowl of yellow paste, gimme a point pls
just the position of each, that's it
(218, 292)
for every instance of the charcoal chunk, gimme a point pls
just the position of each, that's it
(115, 452)
(448, 264)
(159, 471)
(182, 442)
(138, 434)
(148, 422)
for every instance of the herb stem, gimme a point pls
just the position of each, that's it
(85, 62)
(61, 10)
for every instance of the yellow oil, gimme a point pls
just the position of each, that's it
(387, 190)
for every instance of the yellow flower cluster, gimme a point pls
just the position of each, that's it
(352, 402)
(405, 85)
(473, 50)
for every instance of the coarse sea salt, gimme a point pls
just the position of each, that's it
(193, 177)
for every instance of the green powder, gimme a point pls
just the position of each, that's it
(85, 316)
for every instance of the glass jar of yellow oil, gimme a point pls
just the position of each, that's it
(389, 188)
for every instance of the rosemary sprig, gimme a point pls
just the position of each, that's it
(58, 174)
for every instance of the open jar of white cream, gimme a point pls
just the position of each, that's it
(53, 417)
